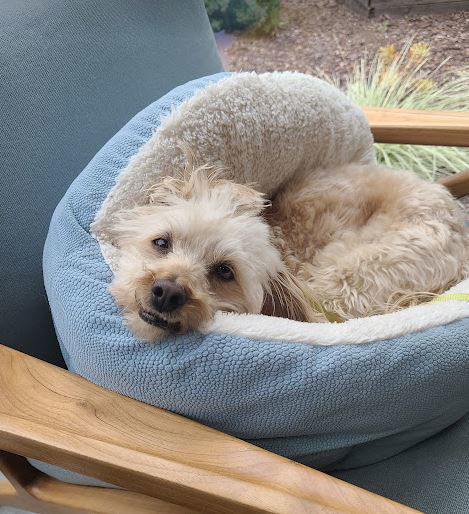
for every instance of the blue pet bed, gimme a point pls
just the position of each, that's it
(334, 396)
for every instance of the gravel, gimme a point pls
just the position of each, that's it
(326, 36)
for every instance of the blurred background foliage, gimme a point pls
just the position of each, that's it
(260, 16)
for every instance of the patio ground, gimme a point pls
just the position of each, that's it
(325, 36)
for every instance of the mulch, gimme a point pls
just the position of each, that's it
(324, 36)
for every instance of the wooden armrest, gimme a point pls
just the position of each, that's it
(29, 489)
(458, 183)
(50, 414)
(419, 127)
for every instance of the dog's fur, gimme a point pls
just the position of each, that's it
(366, 238)
(208, 222)
(356, 238)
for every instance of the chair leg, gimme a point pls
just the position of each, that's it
(8, 495)
(29, 489)
(14, 490)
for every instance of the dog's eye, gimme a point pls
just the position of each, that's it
(161, 243)
(223, 271)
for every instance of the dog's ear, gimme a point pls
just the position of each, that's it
(126, 224)
(169, 190)
(247, 200)
(288, 297)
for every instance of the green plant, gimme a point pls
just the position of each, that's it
(216, 10)
(400, 80)
(385, 25)
(271, 19)
(261, 16)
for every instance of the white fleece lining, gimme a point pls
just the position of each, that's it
(354, 331)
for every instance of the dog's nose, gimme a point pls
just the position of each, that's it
(167, 296)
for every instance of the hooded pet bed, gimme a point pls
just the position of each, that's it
(334, 396)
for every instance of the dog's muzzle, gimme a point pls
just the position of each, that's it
(167, 295)
(157, 321)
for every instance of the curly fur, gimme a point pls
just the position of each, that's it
(351, 241)
(367, 239)
(209, 221)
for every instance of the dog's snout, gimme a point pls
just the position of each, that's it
(167, 296)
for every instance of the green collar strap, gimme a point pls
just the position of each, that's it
(463, 297)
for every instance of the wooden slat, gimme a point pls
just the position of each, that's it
(419, 127)
(376, 7)
(413, 7)
(8, 494)
(458, 184)
(52, 415)
(412, 3)
(360, 6)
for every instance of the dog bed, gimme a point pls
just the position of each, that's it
(334, 396)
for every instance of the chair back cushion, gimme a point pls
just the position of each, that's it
(71, 74)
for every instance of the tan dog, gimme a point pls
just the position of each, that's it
(358, 239)
(200, 246)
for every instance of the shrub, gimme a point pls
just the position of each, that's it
(261, 16)
(400, 80)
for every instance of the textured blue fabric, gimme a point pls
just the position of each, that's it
(72, 72)
(333, 407)
(432, 476)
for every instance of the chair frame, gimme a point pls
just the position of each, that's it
(161, 461)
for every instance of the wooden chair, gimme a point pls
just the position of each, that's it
(163, 462)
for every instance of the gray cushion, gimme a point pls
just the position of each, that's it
(432, 477)
(71, 74)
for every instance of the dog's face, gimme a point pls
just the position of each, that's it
(199, 247)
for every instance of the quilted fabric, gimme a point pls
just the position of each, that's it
(334, 407)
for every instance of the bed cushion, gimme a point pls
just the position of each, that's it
(334, 396)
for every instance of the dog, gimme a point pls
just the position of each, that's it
(349, 242)
(200, 246)
(368, 239)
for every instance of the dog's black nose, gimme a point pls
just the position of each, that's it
(167, 296)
